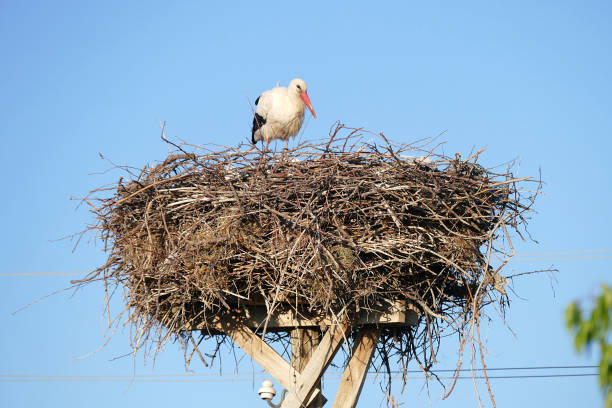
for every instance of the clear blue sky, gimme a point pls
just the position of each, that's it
(529, 81)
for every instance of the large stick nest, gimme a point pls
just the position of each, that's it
(329, 228)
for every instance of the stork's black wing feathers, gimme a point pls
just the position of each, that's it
(257, 100)
(258, 122)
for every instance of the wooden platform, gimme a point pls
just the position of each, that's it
(315, 342)
(255, 317)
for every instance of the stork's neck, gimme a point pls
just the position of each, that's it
(297, 101)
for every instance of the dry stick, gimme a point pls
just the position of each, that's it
(477, 312)
(458, 369)
(500, 183)
(163, 137)
(475, 155)
(331, 139)
(178, 177)
(196, 349)
(472, 360)
(476, 323)
(484, 367)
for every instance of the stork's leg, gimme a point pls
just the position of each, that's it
(287, 144)
(267, 143)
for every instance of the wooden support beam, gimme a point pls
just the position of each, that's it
(266, 357)
(319, 361)
(303, 380)
(303, 342)
(357, 369)
(394, 313)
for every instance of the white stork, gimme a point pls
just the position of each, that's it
(280, 112)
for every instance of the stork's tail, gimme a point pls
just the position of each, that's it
(258, 122)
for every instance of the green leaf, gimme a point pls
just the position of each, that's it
(596, 328)
(605, 370)
(573, 316)
(607, 295)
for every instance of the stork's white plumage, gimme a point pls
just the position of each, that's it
(280, 112)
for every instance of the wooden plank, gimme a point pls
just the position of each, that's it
(266, 357)
(303, 343)
(356, 371)
(319, 361)
(396, 314)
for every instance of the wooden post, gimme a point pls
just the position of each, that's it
(357, 369)
(319, 361)
(303, 342)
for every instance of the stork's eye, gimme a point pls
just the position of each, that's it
(299, 87)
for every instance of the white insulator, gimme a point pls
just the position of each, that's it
(267, 391)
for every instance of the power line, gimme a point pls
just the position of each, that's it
(130, 379)
(533, 376)
(235, 376)
(261, 376)
(565, 367)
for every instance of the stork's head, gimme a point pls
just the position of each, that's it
(298, 87)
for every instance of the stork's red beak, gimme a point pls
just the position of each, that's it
(306, 99)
